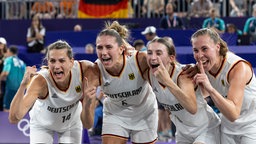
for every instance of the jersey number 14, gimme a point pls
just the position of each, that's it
(65, 118)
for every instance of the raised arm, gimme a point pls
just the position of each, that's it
(90, 84)
(183, 91)
(24, 100)
(143, 65)
(230, 106)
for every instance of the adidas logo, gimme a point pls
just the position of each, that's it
(155, 89)
(106, 84)
(55, 95)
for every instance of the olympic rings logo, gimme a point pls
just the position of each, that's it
(23, 126)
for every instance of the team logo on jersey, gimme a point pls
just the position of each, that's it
(54, 95)
(131, 76)
(222, 82)
(78, 89)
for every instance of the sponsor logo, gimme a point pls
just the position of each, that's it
(55, 95)
(155, 89)
(106, 84)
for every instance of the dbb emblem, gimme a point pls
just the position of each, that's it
(131, 76)
(78, 89)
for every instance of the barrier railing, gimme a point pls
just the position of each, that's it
(23, 9)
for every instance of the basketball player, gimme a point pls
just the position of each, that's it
(230, 81)
(195, 121)
(53, 95)
(130, 108)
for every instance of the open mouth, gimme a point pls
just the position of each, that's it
(58, 74)
(106, 59)
(155, 65)
(205, 62)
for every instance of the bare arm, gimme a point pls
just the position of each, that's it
(230, 107)
(233, 5)
(142, 60)
(90, 84)
(145, 6)
(161, 8)
(22, 100)
(183, 91)
(239, 11)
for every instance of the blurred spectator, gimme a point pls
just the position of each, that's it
(46, 10)
(35, 35)
(137, 7)
(13, 71)
(78, 28)
(218, 5)
(17, 10)
(67, 9)
(232, 29)
(3, 50)
(150, 33)
(139, 45)
(250, 26)
(171, 20)
(214, 22)
(130, 9)
(153, 8)
(238, 8)
(200, 8)
(181, 7)
(89, 48)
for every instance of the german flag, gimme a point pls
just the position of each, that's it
(103, 9)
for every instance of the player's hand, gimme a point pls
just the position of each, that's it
(190, 70)
(29, 73)
(89, 92)
(129, 50)
(160, 72)
(201, 78)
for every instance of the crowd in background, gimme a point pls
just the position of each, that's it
(171, 13)
(174, 14)
(16, 9)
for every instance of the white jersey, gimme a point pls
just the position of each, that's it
(130, 99)
(60, 109)
(247, 116)
(185, 122)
